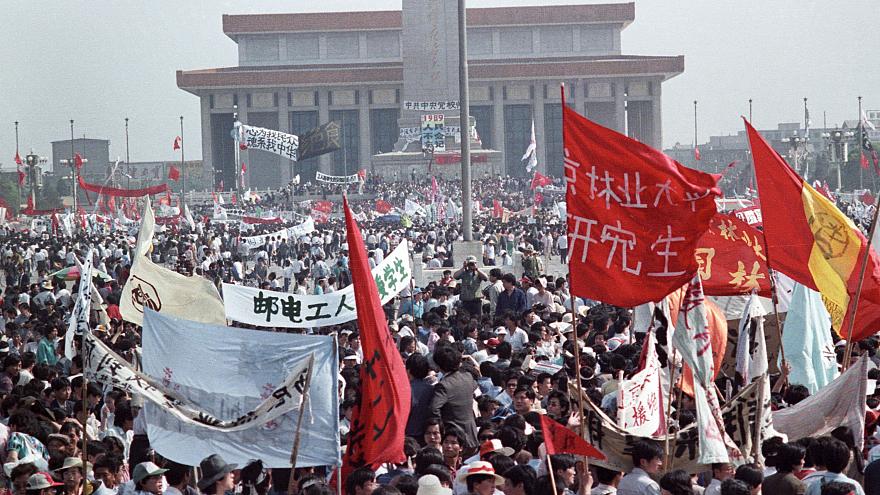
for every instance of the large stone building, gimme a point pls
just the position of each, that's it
(358, 68)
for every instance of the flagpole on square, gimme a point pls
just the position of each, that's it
(302, 407)
(182, 166)
(18, 167)
(574, 318)
(464, 125)
(73, 171)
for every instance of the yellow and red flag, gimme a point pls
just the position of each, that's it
(814, 243)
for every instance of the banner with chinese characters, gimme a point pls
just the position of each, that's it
(106, 367)
(320, 140)
(259, 138)
(731, 258)
(306, 227)
(640, 407)
(412, 134)
(267, 308)
(337, 179)
(432, 136)
(230, 371)
(634, 215)
(430, 106)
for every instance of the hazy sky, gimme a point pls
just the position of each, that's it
(99, 61)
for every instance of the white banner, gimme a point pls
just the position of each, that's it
(433, 137)
(79, 318)
(105, 366)
(640, 409)
(160, 289)
(267, 308)
(259, 138)
(412, 208)
(691, 336)
(306, 227)
(430, 106)
(411, 134)
(229, 371)
(337, 179)
(840, 403)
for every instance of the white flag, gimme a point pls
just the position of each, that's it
(640, 408)
(79, 318)
(531, 153)
(160, 289)
(692, 337)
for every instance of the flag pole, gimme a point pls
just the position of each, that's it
(182, 166)
(552, 474)
(855, 299)
(18, 169)
(671, 364)
(574, 324)
(302, 408)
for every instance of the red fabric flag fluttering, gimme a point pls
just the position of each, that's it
(732, 259)
(377, 430)
(21, 177)
(383, 206)
(77, 161)
(176, 145)
(560, 440)
(174, 173)
(17, 159)
(540, 180)
(697, 155)
(634, 215)
(125, 193)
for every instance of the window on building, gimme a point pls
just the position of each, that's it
(516, 40)
(384, 130)
(302, 47)
(553, 138)
(342, 45)
(346, 161)
(301, 123)
(261, 48)
(383, 44)
(484, 117)
(517, 132)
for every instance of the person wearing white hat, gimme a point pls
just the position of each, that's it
(429, 484)
(480, 478)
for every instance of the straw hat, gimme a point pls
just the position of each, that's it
(479, 467)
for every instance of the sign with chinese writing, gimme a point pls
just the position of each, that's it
(267, 308)
(412, 134)
(430, 106)
(750, 215)
(731, 258)
(640, 408)
(259, 138)
(79, 319)
(433, 138)
(320, 140)
(337, 179)
(105, 366)
(295, 232)
(228, 372)
(634, 215)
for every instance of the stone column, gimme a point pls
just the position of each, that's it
(243, 154)
(324, 164)
(619, 106)
(207, 139)
(366, 151)
(498, 128)
(287, 166)
(657, 122)
(538, 119)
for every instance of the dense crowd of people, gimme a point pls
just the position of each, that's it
(487, 354)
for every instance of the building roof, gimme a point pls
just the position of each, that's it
(392, 72)
(616, 13)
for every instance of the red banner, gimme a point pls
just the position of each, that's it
(320, 216)
(450, 158)
(383, 206)
(634, 215)
(540, 180)
(122, 193)
(377, 427)
(323, 206)
(732, 259)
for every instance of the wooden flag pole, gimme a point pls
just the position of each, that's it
(302, 408)
(552, 474)
(855, 300)
(671, 364)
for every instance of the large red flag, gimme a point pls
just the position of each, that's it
(176, 145)
(540, 180)
(17, 158)
(560, 440)
(814, 243)
(378, 424)
(383, 206)
(634, 215)
(173, 173)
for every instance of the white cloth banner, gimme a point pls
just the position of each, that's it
(306, 227)
(641, 405)
(163, 290)
(691, 336)
(79, 318)
(105, 366)
(229, 371)
(259, 138)
(412, 208)
(337, 179)
(715, 445)
(412, 134)
(840, 403)
(266, 308)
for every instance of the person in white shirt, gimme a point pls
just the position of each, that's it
(517, 337)
(608, 480)
(720, 472)
(648, 460)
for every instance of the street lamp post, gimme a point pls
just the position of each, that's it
(127, 157)
(73, 165)
(837, 142)
(794, 142)
(464, 124)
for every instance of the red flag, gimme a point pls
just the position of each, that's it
(233, 199)
(383, 206)
(221, 185)
(362, 173)
(867, 198)
(20, 178)
(77, 161)
(497, 210)
(732, 259)
(173, 173)
(863, 160)
(697, 153)
(176, 145)
(434, 187)
(214, 196)
(539, 198)
(17, 159)
(540, 180)
(560, 440)
(323, 206)
(111, 204)
(634, 215)
(377, 432)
